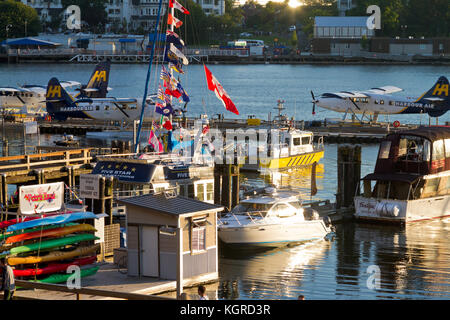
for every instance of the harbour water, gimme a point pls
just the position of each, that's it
(413, 261)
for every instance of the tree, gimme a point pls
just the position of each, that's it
(19, 17)
(93, 12)
(294, 39)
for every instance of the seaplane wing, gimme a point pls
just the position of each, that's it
(384, 90)
(345, 95)
(433, 99)
(10, 91)
(67, 84)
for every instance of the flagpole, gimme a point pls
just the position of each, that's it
(136, 146)
(169, 136)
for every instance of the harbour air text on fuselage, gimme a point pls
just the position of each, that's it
(434, 102)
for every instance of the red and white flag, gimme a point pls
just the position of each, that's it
(220, 92)
(154, 141)
(174, 21)
(176, 5)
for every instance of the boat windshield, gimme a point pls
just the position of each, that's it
(254, 209)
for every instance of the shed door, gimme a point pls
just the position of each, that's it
(149, 252)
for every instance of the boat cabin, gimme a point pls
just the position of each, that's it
(411, 164)
(156, 173)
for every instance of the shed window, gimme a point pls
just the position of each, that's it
(198, 238)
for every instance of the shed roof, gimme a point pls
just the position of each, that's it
(340, 21)
(170, 205)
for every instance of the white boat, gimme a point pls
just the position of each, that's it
(272, 219)
(411, 180)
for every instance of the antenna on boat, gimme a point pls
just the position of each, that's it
(150, 63)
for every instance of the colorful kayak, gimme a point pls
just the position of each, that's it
(56, 267)
(63, 277)
(53, 243)
(54, 256)
(14, 233)
(59, 219)
(55, 232)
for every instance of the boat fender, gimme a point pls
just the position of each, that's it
(395, 210)
(327, 221)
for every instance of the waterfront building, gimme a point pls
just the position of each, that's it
(342, 27)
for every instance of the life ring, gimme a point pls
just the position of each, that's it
(396, 124)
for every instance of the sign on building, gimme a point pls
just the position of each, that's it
(41, 198)
(31, 127)
(90, 186)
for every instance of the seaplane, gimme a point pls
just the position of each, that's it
(30, 99)
(434, 102)
(61, 105)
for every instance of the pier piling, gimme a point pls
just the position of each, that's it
(349, 174)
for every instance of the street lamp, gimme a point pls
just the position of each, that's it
(9, 26)
(403, 27)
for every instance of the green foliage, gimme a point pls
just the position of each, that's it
(18, 15)
(294, 39)
(93, 12)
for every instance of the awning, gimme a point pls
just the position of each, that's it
(126, 171)
(29, 42)
(402, 177)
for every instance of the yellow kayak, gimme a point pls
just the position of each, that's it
(53, 256)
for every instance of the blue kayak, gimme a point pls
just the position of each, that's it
(59, 219)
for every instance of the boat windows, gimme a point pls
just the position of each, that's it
(283, 211)
(381, 101)
(254, 209)
(296, 204)
(97, 108)
(106, 107)
(447, 148)
(297, 141)
(306, 140)
(412, 148)
(438, 150)
(385, 147)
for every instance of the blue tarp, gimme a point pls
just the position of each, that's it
(29, 42)
(127, 40)
(58, 219)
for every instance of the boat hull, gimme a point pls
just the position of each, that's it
(401, 211)
(273, 235)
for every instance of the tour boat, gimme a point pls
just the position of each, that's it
(272, 219)
(411, 181)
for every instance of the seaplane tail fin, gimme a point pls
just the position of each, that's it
(56, 97)
(438, 96)
(98, 81)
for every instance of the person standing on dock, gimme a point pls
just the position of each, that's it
(202, 293)
(8, 282)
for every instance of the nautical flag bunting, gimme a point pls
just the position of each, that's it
(174, 21)
(176, 5)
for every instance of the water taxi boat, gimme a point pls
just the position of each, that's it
(272, 219)
(411, 181)
(284, 147)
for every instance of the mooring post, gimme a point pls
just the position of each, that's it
(226, 186)
(349, 174)
(109, 183)
(235, 186)
(217, 183)
(5, 148)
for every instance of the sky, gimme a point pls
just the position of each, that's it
(292, 3)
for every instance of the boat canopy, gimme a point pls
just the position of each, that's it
(401, 177)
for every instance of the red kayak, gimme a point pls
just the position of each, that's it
(52, 268)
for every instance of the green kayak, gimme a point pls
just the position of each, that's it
(53, 243)
(61, 277)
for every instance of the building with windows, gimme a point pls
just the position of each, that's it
(216, 7)
(342, 27)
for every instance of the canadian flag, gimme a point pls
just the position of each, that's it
(172, 20)
(220, 92)
(176, 5)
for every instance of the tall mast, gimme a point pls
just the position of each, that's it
(144, 99)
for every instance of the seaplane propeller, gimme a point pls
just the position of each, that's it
(314, 103)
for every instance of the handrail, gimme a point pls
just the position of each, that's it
(88, 291)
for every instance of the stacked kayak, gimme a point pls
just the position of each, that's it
(42, 249)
